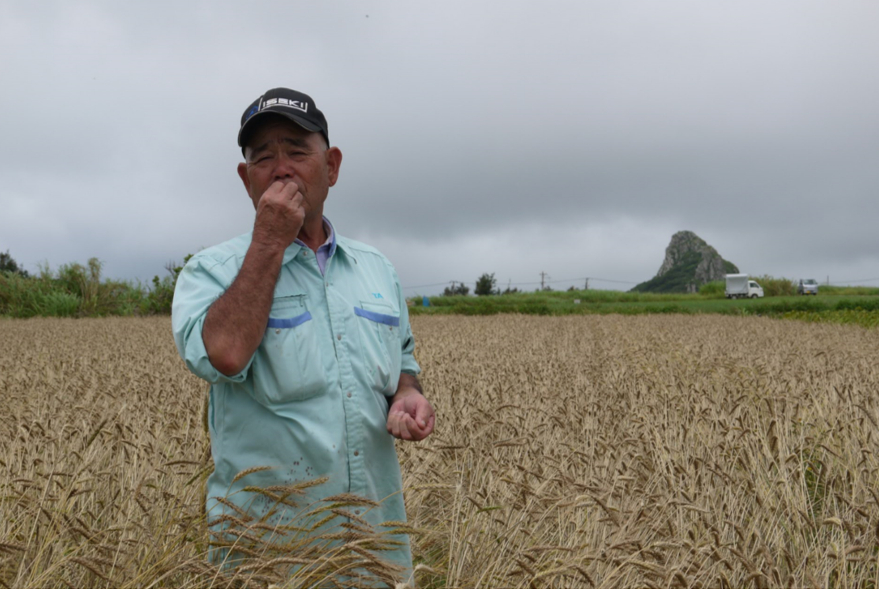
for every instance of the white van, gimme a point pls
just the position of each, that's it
(740, 286)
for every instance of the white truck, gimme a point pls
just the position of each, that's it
(739, 286)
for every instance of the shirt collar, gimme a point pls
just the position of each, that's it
(298, 245)
(331, 237)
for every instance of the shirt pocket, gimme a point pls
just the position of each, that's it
(379, 326)
(288, 364)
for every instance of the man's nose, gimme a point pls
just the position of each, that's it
(284, 167)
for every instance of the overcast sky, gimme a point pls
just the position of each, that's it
(571, 138)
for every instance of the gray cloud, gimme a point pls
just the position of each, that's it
(571, 138)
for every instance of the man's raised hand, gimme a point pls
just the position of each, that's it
(279, 214)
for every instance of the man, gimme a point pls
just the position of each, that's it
(303, 334)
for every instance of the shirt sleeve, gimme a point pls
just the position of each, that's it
(201, 282)
(408, 365)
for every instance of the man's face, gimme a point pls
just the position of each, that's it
(279, 150)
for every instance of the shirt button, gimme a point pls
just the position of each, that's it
(339, 337)
(392, 328)
(277, 331)
(356, 453)
(304, 253)
(349, 395)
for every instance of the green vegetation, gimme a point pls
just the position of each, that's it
(848, 290)
(75, 290)
(7, 264)
(776, 287)
(78, 291)
(485, 285)
(457, 289)
(855, 306)
(772, 287)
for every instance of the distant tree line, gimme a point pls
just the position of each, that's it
(77, 290)
(7, 264)
(486, 285)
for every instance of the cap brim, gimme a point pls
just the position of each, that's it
(249, 125)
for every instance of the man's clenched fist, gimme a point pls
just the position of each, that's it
(279, 214)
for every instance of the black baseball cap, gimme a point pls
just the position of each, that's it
(296, 106)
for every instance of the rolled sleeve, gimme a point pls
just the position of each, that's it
(201, 282)
(408, 363)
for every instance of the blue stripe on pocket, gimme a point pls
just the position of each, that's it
(377, 317)
(288, 323)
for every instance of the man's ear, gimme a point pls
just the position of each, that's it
(334, 162)
(242, 173)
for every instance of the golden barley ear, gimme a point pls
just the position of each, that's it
(249, 471)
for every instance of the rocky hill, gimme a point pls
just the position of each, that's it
(689, 263)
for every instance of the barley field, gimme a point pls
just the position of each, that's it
(588, 451)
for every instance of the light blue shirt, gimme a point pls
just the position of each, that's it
(312, 401)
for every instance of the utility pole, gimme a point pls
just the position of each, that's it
(587, 285)
(543, 277)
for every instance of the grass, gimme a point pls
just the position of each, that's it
(859, 306)
(77, 290)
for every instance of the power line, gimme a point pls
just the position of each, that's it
(844, 282)
(434, 284)
(598, 279)
(591, 278)
(543, 276)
